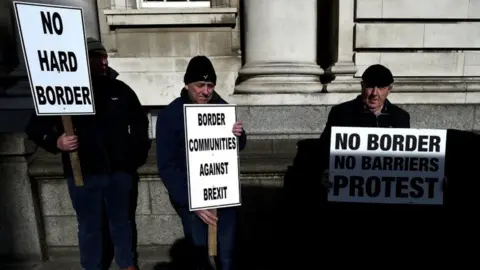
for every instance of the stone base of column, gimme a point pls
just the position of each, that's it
(259, 78)
(344, 81)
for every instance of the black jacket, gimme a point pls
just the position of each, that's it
(115, 138)
(354, 114)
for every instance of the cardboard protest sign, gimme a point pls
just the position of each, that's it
(55, 50)
(387, 165)
(212, 156)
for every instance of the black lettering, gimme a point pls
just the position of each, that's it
(58, 95)
(366, 163)
(401, 187)
(434, 144)
(43, 60)
(218, 168)
(431, 186)
(57, 23)
(62, 59)
(53, 62)
(434, 164)
(410, 143)
(388, 164)
(49, 26)
(388, 185)
(372, 142)
(57, 61)
(385, 142)
(398, 142)
(86, 95)
(47, 23)
(42, 99)
(416, 184)
(413, 164)
(423, 143)
(78, 95)
(215, 193)
(233, 143)
(377, 163)
(345, 161)
(59, 91)
(356, 184)
(69, 95)
(211, 119)
(353, 141)
(373, 187)
(210, 144)
(50, 95)
(341, 141)
(423, 166)
(398, 163)
(72, 62)
(339, 182)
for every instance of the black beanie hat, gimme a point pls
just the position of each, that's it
(200, 69)
(377, 75)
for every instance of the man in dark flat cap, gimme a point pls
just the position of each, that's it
(369, 109)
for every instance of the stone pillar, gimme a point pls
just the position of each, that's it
(20, 222)
(345, 69)
(280, 47)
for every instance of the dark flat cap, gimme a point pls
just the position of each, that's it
(377, 75)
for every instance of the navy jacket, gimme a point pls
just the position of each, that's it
(171, 154)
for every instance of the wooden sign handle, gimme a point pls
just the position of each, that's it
(74, 160)
(212, 237)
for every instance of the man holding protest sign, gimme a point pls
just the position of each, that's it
(112, 145)
(200, 80)
(394, 176)
(369, 109)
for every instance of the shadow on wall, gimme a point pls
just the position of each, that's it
(259, 236)
(342, 235)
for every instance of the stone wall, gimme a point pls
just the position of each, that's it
(158, 226)
(419, 38)
(150, 47)
(21, 232)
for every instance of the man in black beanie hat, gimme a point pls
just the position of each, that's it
(200, 80)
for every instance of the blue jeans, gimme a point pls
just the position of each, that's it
(196, 234)
(115, 191)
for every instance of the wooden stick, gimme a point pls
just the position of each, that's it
(74, 160)
(212, 237)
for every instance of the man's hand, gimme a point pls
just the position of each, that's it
(67, 143)
(237, 128)
(207, 217)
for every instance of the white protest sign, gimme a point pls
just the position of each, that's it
(54, 45)
(387, 165)
(212, 156)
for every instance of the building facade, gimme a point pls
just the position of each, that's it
(283, 62)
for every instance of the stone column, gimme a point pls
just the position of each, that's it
(21, 232)
(280, 47)
(344, 69)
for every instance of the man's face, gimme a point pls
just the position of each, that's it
(98, 64)
(374, 97)
(200, 92)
